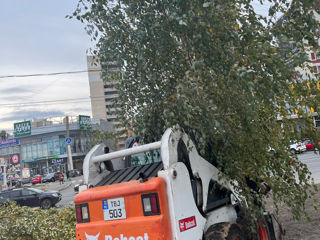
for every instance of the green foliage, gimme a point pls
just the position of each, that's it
(24, 223)
(4, 135)
(224, 74)
(106, 137)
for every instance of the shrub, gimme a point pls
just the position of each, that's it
(24, 223)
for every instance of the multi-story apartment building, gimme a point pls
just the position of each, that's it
(315, 56)
(314, 59)
(103, 95)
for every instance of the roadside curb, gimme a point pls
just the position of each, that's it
(38, 186)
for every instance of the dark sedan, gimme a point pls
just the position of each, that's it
(49, 178)
(31, 197)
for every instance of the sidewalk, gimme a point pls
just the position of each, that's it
(59, 187)
(55, 186)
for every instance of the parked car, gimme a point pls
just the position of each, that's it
(49, 178)
(31, 197)
(26, 180)
(36, 179)
(56, 175)
(74, 173)
(297, 147)
(310, 145)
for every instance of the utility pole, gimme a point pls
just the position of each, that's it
(70, 163)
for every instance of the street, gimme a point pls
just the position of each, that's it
(304, 229)
(66, 190)
(313, 162)
(68, 194)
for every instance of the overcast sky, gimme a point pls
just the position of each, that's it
(37, 38)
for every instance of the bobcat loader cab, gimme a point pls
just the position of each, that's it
(179, 196)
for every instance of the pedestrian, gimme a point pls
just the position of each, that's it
(67, 173)
(61, 178)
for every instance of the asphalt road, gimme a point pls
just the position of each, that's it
(313, 162)
(68, 194)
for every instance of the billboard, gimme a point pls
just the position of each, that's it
(84, 122)
(22, 129)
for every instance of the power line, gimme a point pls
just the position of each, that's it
(58, 101)
(48, 74)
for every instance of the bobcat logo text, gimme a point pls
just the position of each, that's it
(121, 237)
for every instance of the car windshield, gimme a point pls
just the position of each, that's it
(36, 190)
(49, 175)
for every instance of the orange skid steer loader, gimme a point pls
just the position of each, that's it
(166, 192)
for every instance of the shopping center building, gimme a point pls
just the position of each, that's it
(41, 147)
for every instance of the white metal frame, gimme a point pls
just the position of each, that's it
(179, 193)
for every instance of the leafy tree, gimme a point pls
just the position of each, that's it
(4, 135)
(224, 73)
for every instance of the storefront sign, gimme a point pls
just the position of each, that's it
(84, 122)
(30, 160)
(9, 142)
(58, 161)
(22, 129)
(15, 159)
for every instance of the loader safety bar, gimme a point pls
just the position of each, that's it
(127, 152)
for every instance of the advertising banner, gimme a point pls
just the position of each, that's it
(9, 142)
(22, 129)
(25, 172)
(84, 122)
(2, 161)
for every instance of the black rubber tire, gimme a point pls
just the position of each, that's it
(224, 231)
(293, 151)
(46, 203)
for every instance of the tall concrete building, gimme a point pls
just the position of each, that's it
(96, 89)
(103, 95)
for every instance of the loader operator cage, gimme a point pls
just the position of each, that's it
(145, 158)
(141, 158)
